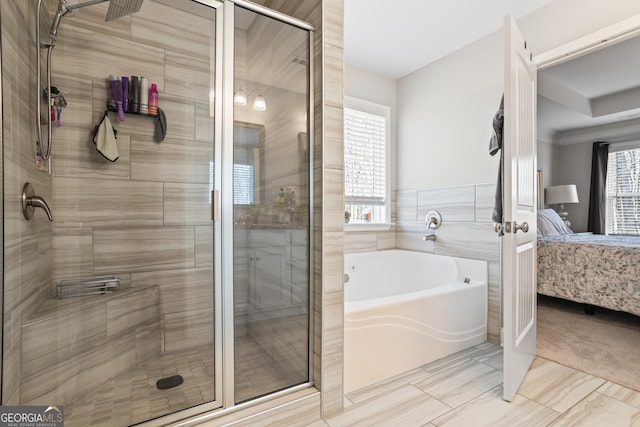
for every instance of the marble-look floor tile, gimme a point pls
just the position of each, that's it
(621, 393)
(598, 410)
(556, 386)
(490, 410)
(381, 388)
(404, 406)
(461, 383)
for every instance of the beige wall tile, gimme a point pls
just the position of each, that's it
(187, 204)
(408, 205)
(140, 306)
(474, 240)
(72, 253)
(204, 246)
(83, 53)
(188, 329)
(188, 76)
(485, 198)
(453, 203)
(204, 122)
(168, 27)
(143, 249)
(360, 241)
(180, 290)
(106, 203)
(77, 157)
(173, 160)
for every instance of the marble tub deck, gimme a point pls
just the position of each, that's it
(465, 390)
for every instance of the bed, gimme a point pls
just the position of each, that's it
(594, 269)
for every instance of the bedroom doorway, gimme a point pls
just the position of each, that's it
(588, 92)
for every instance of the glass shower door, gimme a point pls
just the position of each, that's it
(145, 348)
(271, 200)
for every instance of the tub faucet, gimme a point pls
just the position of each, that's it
(431, 237)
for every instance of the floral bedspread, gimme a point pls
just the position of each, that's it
(591, 269)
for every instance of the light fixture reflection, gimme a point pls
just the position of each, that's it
(259, 104)
(240, 98)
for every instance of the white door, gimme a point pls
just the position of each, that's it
(519, 198)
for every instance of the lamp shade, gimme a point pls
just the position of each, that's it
(559, 194)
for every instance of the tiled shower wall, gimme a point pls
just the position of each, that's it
(27, 245)
(466, 232)
(142, 217)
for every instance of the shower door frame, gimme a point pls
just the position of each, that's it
(223, 226)
(226, 199)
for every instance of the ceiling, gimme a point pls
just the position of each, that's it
(597, 89)
(393, 39)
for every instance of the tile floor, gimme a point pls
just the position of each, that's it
(465, 390)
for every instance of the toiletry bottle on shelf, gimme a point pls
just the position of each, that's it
(134, 95)
(125, 94)
(153, 100)
(144, 95)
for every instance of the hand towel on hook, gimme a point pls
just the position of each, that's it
(104, 137)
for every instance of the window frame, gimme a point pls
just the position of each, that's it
(615, 148)
(382, 110)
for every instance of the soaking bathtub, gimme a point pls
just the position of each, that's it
(404, 309)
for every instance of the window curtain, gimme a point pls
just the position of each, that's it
(598, 194)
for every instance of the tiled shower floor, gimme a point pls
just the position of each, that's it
(133, 397)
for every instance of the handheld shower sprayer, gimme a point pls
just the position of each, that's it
(117, 9)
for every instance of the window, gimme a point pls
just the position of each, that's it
(366, 162)
(242, 184)
(623, 192)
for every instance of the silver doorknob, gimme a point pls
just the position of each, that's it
(497, 227)
(524, 227)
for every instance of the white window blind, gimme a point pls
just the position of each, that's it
(623, 192)
(365, 146)
(242, 184)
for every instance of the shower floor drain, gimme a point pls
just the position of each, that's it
(169, 382)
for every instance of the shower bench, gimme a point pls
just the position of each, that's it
(71, 346)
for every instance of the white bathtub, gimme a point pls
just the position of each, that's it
(404, 309)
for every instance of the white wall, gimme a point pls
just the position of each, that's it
(445, 108)
(546, 153)
(572, 165)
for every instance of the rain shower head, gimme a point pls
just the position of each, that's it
(117, 9)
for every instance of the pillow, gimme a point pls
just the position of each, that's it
(550, 224)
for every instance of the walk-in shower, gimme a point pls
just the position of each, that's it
(175, 280)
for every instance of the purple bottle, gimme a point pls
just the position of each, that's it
(125, 94)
